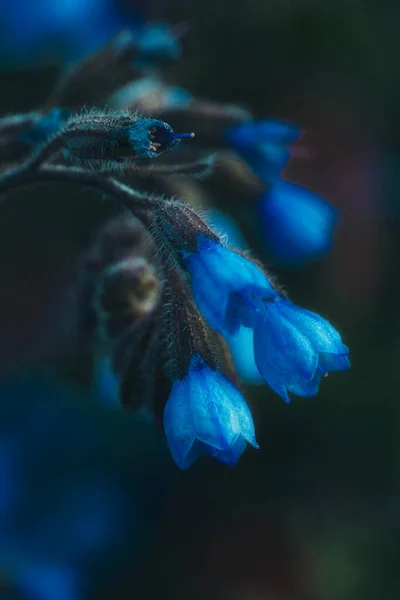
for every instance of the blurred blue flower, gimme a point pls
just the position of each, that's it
(226, 286)
(67, 29)
(264, 145)
(69, 498)
(206, 413)
(297, 225)
(294, 348)
(105, 382)
(46, 126)
(157, 45)
(47, 581)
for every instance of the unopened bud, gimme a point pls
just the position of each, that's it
(127, 291)
(107, 141)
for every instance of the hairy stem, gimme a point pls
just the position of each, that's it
(196, 167)
(123, 194)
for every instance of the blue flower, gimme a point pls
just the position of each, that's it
(226, 286)
(206, 413)
(66, 29)
(264, 145)
(43, 581)
(294, 348)
(141, 140)
(297, 225)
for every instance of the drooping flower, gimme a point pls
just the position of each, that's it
(294, 348)
(297, 225)
(226, 286)
(264, 145)
(206, 414)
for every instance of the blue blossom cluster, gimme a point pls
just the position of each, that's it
(65, 500)
(161, 297)
(169, 314)
(293, 350)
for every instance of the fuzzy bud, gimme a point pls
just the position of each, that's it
(127, 291)
(108, 141)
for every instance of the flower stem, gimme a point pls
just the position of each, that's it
(25, 177)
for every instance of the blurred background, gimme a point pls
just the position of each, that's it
(91, 504)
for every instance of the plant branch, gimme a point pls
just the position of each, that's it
(123, 194)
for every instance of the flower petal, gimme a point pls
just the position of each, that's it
(242, 350)
(335, 362)
(216, 422)
(306, 388)
(240, 408)
(230, 456)
(281, 343)
(323, 336)
(178, 424)
(226, 285)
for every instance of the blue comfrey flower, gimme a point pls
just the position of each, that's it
(264, 145)
(297, 225)
(226, 286)
(294, 348)
(206, 414)
(46, 126)
(150, 137)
